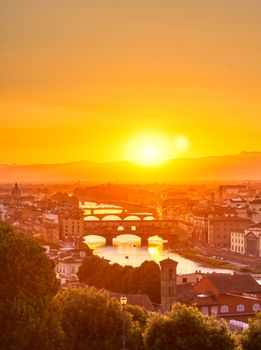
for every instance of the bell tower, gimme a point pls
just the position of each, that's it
(168, 283)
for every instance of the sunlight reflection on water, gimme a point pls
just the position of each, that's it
(126, 250)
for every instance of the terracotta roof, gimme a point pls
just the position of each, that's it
(225, 283)
(229, 218)
(168, 261)
(135, 299)
(185, 293)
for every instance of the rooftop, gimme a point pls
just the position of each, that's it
(225, 283)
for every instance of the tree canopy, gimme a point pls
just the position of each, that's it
(91, 320)
(27, 285)
(185, 328)
(251, 339)
(99, 273)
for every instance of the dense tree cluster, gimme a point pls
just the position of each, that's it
(185, 328)
(99, 273)
(36, 314)
(251, 339)
(27, 285)
(90, 320)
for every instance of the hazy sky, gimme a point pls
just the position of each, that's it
(80, 79)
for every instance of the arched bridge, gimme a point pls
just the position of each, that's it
(120, 216)
(166, 229)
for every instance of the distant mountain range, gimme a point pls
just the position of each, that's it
(243, 166)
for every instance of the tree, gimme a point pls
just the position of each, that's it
(27, 285)
(185, 328)
(90, 320)
(251, 339)
(99, 273)
(149, 280)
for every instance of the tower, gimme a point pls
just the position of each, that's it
(16, 192)
(168, 283)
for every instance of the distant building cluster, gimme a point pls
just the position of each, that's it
(227, 218)
(215, 218)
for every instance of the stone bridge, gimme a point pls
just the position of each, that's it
(144, 229)
(118, 216)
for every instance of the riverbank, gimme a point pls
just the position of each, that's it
(206, 261)
(220, 262)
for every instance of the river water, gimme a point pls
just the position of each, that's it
(126, 250)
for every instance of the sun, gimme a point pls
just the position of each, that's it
(154, 149)
(148, 150)
(150, 154)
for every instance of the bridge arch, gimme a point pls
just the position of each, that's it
(127, 238)
(155, 239)
(94, 241)
(111, 218)
(148, 218)
(91, 218)
(132, 218)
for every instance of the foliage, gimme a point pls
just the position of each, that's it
(27, 285)
(185, 328)
(99, 273)
(90, 320)
(251, 339)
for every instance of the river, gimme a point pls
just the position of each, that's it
(126, 250)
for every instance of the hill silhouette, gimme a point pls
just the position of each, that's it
(243, 166)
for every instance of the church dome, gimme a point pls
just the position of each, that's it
(16, 192)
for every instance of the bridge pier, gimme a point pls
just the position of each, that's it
(109, 240)
(144, 241)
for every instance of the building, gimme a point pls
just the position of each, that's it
(255, 206)
(247, 241)
(67, 267)
(236, 203)
(226, 191)
(200, 220)
(168, 283)
(232, 297)
(236, 297)
(16, 192)
(192, 278)
(71, 226)
(67, 264)
(220, 228)
(238, 242)
(141, 300)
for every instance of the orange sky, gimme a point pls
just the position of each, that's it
(80, 79)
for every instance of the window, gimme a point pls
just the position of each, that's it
(240, 308)
(224, 308)
(256, 307)
(204, 310)
(214, 310)
(184, 279)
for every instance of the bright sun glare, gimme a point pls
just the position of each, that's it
(154, 149)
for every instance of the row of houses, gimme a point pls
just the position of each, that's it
(230, 296)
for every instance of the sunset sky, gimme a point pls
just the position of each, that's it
(87, 80)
